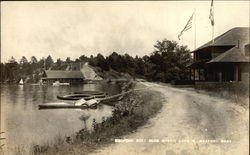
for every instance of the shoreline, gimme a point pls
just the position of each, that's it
(132, 112)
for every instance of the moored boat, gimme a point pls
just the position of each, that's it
(82, 104)
(57, 83)
(80, 96)
(90, 92)
(64, 105)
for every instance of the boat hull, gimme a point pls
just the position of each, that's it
(66, 106)
(80, 96)
(90, 92)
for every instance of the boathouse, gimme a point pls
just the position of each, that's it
(62, 76)
(226, 59)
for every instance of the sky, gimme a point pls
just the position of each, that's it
(71, 29)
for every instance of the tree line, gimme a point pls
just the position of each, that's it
(167, 62)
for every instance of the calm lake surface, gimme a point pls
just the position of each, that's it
(24, 125)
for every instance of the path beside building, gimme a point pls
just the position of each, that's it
(188, 115)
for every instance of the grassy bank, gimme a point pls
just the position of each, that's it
(130, 113)
(237, 92)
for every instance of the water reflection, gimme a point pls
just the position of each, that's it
(25, 125)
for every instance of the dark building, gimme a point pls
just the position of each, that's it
(62, 76)
(224, 60)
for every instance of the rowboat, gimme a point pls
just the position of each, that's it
(80, 96)
(57, 106)
(82, 104)
(65, 106)
(90, 92)
(85, 101)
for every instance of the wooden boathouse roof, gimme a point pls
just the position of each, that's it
(59, 74)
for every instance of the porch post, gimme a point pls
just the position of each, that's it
(194, 74)
(199, 72)
(236, 73)
(190, 73)
(220, 76)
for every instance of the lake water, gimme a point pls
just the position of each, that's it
(24, 125)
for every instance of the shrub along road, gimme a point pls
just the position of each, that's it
(188, 115)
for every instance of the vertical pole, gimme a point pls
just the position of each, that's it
(236, 73)
(213, 24)
(199, 72)
(220, 76)
(194, 74)
(195, 28)
(213, 33)
(190, 73)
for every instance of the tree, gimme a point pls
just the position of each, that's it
(77, 60)
(100, 61)
(3, 72)
(26, 68)
(58, 64)
(167, 62)
(12, 70)
(12, 60)
(48, 62)
(83, 58)
(140, 66)
(59, 61)
(23, 60)
(113, 61)
(129, 64)
(33, 60)
(41, 63)
(170, 61)
(183, 59)
(68, 59)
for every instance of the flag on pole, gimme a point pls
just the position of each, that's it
(187, 26)
(211, 15)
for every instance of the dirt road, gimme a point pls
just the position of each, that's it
(190, 123)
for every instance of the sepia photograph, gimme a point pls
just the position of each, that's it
(124, 77)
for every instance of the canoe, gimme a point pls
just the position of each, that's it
(79, 96)
(90, 92)
(65, 106)
(75, 97)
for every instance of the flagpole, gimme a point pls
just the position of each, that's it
(213, 22)
(195, 28)
(213, 33)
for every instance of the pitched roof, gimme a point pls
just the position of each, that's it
(230, 38)
(232, 55)
(58, 74)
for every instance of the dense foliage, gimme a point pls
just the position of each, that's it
(167, 62)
